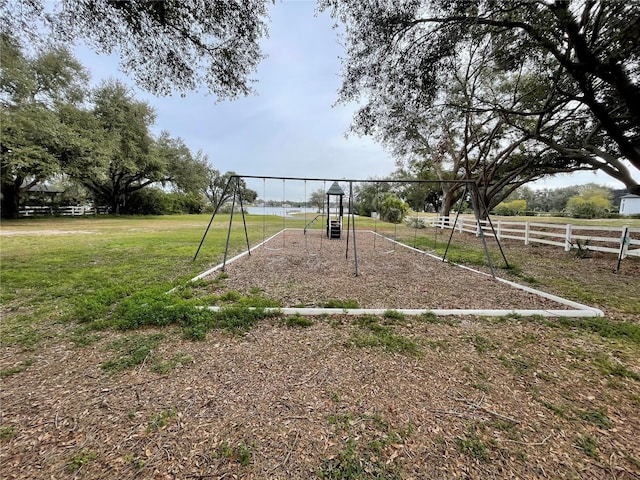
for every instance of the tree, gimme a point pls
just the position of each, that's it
(421, 197)
(217, 183)
(35, 93)
(594, 206)
(368, 196)
(165, 45)
(512, 207)
(123, 156)
(583, 55)
(317, 199)
(453, 140)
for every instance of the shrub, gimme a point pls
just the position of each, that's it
(416, 222)
(514, 207)
(393, 209)
(153, 201)
(592, 207)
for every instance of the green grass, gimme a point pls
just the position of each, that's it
(614, 368)
(8, 372)
(297, 321)
(131, 351)
(7, 432)
(335, 303)
(372, 334)
(83, 278)
(598, 325)
(481, 343)
(597, 417)
(588, 445)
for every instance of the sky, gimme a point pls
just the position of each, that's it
(291, 127)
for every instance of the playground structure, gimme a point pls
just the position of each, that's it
(323, 266)
(335, 225)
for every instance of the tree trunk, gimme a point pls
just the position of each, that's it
(448, 199)
(10, 207)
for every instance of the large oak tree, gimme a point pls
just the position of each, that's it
(125, 156)
(36, 96)
(584, 56)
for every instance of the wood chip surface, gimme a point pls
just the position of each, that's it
(311, 270)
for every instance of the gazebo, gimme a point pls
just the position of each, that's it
(334, 225)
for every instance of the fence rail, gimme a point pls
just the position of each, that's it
(623, 241)
(43, 211)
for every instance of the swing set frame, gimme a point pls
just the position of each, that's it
(470, 186)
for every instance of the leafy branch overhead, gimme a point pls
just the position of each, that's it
(566, 71)
(165, 46)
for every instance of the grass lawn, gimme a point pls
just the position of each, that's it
(104, 374)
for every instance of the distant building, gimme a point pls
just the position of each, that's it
(630, 205)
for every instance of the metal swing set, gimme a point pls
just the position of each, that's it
(334, 227)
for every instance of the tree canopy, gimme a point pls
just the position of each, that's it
(53, 124)
(576, 65)
(166, 46)
(34, 136)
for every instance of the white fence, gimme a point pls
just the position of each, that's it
(623, 241)
(39, 211)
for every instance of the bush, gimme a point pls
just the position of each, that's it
(593, 207)
(153, 201)
(393, 209)
(416, 222)
(514, 207)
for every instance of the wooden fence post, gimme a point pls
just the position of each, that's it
(567, 238)
(526, 233)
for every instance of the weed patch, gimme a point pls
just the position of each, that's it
(394, 316)
(430, 317)
(77, 461)
(518, 365)
(133, 351)
(348, 303)
(588, 445)
(481, 344)
(612, 368)
(626, 331)
(160, 420)
(7, 432)
(374, 335)
(471, 444)
(598, 418)
(175, 361)
(367, 449)
(297, 321)
(8, 372)
(240, 453)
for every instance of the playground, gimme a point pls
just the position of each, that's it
(382, 395)
(304, 270)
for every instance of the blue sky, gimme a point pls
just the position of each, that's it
(290, 128)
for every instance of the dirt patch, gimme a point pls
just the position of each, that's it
(13, 233)
(475, 398)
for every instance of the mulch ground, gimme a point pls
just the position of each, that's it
(309, 270)
(477, 399)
